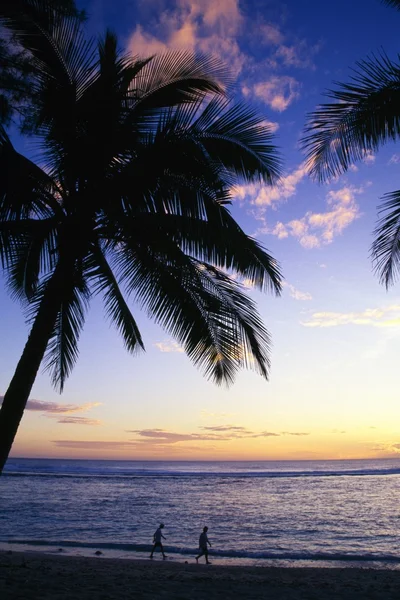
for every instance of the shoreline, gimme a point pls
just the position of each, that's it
(35, 576)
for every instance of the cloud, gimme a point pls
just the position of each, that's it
(297, 433)
(263, 196)
(214, 433)
(298, 55)
(92, 444)
(271, 35)
(161, 436)
(394, 160)
(297, 294)
(224, 428)
(78, 421)
(369, 158)
(294, 53)
(388, 316)
(169, 346)
(156, 440)
(204, 25)
(273, 126)
(53, 407)
(316, 229)
(278, 91)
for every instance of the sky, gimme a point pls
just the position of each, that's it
(333, 388)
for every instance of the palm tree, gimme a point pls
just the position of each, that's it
(16, 91)
(137, 160)
(364, 115)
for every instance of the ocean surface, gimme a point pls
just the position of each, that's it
(297, 513)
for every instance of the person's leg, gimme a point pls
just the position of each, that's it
(200, 555)
(152, 551)
(206, 555)
(162, 550)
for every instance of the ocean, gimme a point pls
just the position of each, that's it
(287, 513)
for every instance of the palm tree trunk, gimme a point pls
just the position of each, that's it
(17, 395)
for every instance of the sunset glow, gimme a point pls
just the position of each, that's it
(332, 393)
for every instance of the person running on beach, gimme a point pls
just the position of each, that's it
(203, 541)
(157, 541)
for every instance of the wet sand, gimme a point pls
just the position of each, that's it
(34, 576)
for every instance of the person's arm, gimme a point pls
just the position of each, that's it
(163, 536)
(209, 542)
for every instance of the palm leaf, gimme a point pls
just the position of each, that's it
(218, 240)
(394, 3)
(235, 137)
(386, 246)
(177, 77)
(116, 307)
(62, 350)
(27, 250)
(365, 115)
(252, 342)
(25, 189)
(177, 294)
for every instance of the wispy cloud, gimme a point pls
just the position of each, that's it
(93, 444)
(78, 421)
(225, 428)
(273, 126)
(203, 25)
(262, 196)
(388, 316)
(394, 160)
(214, 433)
(369, 157)
(169, 346)
(295, 293)
(53, 407)
(316, 229)
(278, 91)
(223, 29)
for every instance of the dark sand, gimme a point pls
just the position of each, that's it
(32, 576)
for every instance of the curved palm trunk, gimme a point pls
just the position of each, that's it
(24, 377)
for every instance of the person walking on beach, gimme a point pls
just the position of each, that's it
(203, 541)
(157, 541)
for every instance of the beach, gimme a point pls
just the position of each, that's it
(34, 576)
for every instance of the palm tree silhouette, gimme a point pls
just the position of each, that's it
(129, 199)
(364, 115)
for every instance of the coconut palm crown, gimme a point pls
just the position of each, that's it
(129, 198)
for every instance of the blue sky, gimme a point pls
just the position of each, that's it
(332, 391)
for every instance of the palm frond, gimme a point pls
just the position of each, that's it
(177, 77)
(386, 246)
(365, 114)
(394, 3)
(236, 137)
(25, 189)
(117, 310)
(251, 342)
(219, 240)
(51, 31)
(205, 319)
(62, 350)
(27, 250)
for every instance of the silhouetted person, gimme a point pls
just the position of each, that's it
(203, 541)
(157, 540)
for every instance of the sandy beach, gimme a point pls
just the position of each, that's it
(55, 577)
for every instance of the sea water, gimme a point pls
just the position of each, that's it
(321, 513)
